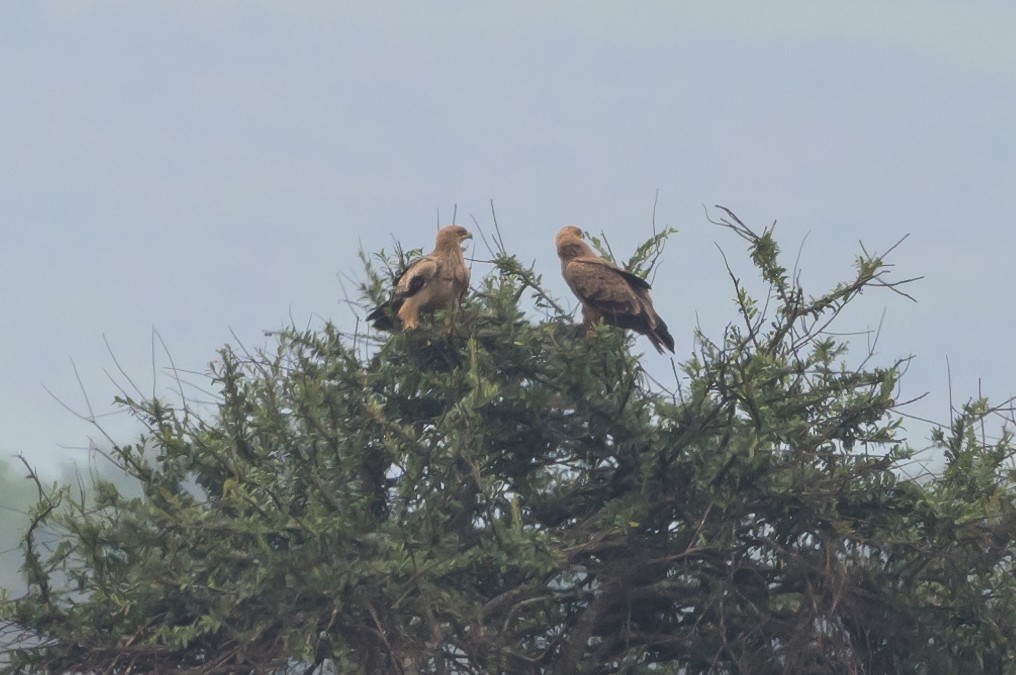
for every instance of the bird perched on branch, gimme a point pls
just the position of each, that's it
(437, 280)
(607, 292)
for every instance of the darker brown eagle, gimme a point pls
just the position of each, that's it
(608, 292)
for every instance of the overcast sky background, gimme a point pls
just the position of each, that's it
(208, 168)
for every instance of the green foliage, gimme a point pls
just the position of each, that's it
(16, 498)
(494, 494)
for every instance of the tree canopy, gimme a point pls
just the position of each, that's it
(502, 491)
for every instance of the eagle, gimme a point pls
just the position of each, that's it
(436, 280)
(607, 292)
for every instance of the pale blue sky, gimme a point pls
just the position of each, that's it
(202, 167)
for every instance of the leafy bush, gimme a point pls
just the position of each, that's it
(492, 493)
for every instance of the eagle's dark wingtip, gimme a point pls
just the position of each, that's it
(661, 336)
(382, 317)
(668, 341)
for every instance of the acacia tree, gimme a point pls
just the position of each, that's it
(498, 494)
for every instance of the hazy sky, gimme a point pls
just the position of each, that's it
(207, 167)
